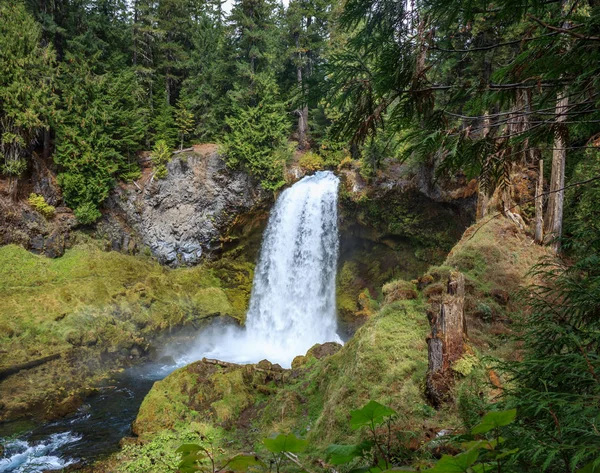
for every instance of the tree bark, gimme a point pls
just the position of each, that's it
(557, 178)
(303, 111)
(559, 157)
(539, 205)
(446, 342)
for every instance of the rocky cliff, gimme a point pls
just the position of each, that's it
(182, 217)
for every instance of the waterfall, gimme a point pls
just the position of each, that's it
(292, 305)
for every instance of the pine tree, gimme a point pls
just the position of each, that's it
(184, 120)
(257, 137)
(26, 77)
(97, 135)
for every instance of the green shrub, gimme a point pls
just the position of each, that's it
(161, 154)
(39, 203)
(87, 213)
(311, 162)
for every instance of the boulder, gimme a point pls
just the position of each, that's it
(322, 350)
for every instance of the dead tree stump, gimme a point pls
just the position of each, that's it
(446, 342)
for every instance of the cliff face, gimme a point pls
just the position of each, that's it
(182, 218)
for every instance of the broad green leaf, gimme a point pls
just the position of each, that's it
(493, 420)
(373, 413)
(592, 467)
(455, 464)
(340, 454)
(188, 448)
(244, 461)
(285, 443)
(189, 463)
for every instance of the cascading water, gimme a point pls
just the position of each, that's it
(292, 306)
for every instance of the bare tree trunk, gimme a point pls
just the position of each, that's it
(559, 157)
(303, 111)
(539, 205)
(482, 195)
(557, 178)
(446, 342)
(301, 122)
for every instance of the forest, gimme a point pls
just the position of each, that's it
(482, 118)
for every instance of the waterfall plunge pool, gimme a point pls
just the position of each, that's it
(292, 307)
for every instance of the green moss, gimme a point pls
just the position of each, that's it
(99, 302)
(381, 362)
(212, 301)
(399, 290)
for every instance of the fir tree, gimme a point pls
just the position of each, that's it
(26, 77)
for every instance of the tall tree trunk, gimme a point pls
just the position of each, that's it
(482, 194)
(302, 119)
(134, 33)
(556, 197)
(539, 205)
(557, 178)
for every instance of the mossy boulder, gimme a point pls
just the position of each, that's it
(322, 350)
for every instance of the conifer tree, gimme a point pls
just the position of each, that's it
(26, 77)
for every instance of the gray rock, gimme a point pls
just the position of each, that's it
(182, 218)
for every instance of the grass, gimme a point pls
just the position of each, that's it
(90, 305)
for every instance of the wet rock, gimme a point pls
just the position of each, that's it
(44, 181)
(321, 350)
(135, 352)
(21, 225)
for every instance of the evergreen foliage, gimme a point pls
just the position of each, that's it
(161, 155)
(98, 133)
(26, 79)
(556, 387)
(257, 139)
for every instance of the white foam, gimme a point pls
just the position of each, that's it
(292, 306)
(22, 456)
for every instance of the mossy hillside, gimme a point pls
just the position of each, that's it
(386, 360)
(98, 310)
(496, 259)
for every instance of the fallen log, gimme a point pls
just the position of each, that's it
(6, 372)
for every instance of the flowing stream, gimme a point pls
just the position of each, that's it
(292, 307)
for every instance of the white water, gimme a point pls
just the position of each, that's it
(292, 306)
(21, 456)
